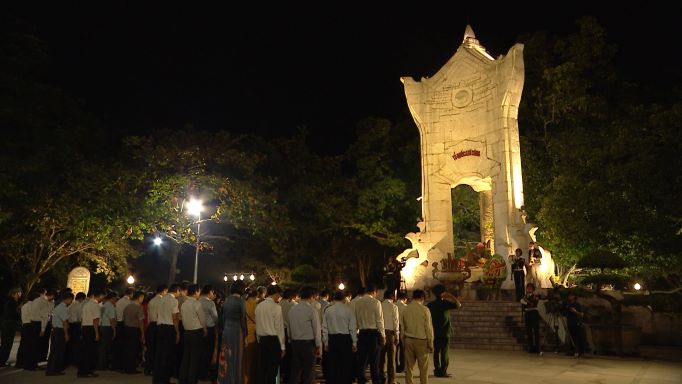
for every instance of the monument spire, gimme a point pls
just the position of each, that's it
(469, 34)
(470, 41)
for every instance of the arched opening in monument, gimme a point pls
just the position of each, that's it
(466, 219)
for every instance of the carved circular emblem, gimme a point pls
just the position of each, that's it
(462, 97)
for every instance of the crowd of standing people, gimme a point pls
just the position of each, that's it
(261, 335)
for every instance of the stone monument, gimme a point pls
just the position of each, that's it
(79, 280)
(467, 119)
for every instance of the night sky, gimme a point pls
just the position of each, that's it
(274, 66)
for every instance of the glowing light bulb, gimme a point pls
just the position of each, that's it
(638, 286)
(252, 277)
(130, 280)
(157, 241)
(342, 286)
(235, 277)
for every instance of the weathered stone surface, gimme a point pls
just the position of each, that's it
(467, 119)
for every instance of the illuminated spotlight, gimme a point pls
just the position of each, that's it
(235, 277)
(195, 207)
(637, 286)
(342, 286)
(130, 280)
(157, 241)
(241, 277)
(273, 283)
(252, 277)
(225, 278)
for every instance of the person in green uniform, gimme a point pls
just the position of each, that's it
(442, 329)
(9, 323)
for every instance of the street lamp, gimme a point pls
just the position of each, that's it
(252, 277)
(194, 208)
(342, 286)
(130, 280)
(638, 286)
(158, 241)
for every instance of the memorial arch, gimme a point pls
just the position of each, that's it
(467, 119)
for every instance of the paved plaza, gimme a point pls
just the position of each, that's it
(658, 366)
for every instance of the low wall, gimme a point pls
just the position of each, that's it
(658, 328)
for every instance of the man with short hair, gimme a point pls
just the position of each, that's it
(75, 317)
(40, 315)
(270, 334)
(133, 320)
(194, 322)
(417, 331)
(340, 340)
(150, 333)
(442, 329)
(372, 336)
(118, 342)
(392, 326)
(167, 335)
(211, 317)
(60, 335)
(90, 335)
(108, 330)
(26, 309)
(289, 300)
(9, 320)
(306, 337)
(401, 303)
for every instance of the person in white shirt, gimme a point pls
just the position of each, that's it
(340, 339)
(41, 309)
(150, 333)
(208, 342)
(270, 334)
(401, 303)
(60, 335)
(167, 335)
(372, 335)
(392, 327)
(117, 350)
(90, 334)
(75, 316)
(194, 323)
(306, 337)
(25, 330)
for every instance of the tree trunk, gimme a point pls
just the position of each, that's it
(174, 264)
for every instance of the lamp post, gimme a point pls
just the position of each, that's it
(194, 208)
(130, 280)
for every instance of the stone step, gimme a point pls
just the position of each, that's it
(478, 317)
(494, 347)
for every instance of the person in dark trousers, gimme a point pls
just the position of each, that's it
(167, 335)
(90, 335)
(340, 340)
(574, 314)
(41, 308)
(60, 335)
(270, 335)
(194, 322)
(108, 331)
(150, 333)
(133, 321)
(306, 338)
(25, 330)
(206, 300)
(73, 345)
(372, 335)
(529, 305)
(117, 346)
(519, 273)
(401, 302)
(442, 329)
(10, 320)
